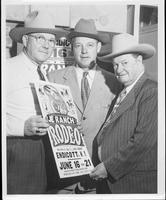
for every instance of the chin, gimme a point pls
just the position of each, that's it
(44, 59)
(83, 66)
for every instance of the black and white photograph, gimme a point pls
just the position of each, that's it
(94, 128)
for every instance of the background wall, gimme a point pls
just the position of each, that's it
(150, 35)
(109, 19)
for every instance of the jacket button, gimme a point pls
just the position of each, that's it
(84, 118)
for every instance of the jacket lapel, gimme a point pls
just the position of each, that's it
(70, 79)
(129, 99)
(99, 94)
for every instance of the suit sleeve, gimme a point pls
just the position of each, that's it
(142, 140)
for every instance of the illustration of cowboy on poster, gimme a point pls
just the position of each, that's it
(68, 146)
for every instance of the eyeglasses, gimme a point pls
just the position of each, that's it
(42, 40)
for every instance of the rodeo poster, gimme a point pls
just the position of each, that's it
(68, 146)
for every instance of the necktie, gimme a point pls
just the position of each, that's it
(116, 105)
(118, 101)
(85, 89)
(40, 73)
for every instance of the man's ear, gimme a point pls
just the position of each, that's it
(98, 47)
(72, 44)
(139, 58)
(25, 40)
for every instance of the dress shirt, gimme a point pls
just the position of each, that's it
(132, 85)
(90, 76)
(21, 100)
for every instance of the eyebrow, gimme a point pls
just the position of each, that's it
(123, 60)
(40, 34)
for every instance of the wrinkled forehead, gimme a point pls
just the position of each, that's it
(83, 40)
(129, 56)
(46, 35)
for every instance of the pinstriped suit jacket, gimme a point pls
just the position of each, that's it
(129, 142)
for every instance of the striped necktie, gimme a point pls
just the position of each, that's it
(118, 101)
(116, 105)
(85, 89)
(40, 73)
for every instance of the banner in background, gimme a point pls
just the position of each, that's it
(61, 57)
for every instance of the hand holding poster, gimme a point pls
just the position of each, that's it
(68, 146)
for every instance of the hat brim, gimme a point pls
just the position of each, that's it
(74, 34)
(105, 50)
(145, 50)
(17, 33)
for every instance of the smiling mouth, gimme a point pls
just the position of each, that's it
(120, 75)
(84, 57)
(44, 52)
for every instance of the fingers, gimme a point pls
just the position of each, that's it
(79, 123)
(93, 173)
(35, 125)
(80, 128)
(99, 172)
(40, 131)
(96, 176)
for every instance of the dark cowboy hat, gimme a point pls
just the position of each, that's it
(125, 43)
(86, 28)
(37, 22)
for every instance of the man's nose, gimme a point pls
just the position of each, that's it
(119, 67)
(46, 44)
(84, 49)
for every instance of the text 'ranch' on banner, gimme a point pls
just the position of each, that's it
(62, 57)
(68, 146)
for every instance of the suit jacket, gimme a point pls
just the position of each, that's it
(104, 89)
(129, 142)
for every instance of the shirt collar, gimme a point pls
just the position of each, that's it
(132, 85)
(91, 72)
(31, 65)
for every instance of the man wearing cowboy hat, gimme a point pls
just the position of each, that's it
(93, 88)
(26, 172)
(127, 143)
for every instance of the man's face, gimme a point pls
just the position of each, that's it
(85, 51)
(127, 68)
(40, 46)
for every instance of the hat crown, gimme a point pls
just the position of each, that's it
(122, 42)
(86, 26)
(40, 19)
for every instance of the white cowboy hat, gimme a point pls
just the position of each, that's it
(125, 43)
(37, 22)
(86, 28)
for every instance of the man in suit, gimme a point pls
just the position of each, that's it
(26, 173)
(101, 86)
(125, 150)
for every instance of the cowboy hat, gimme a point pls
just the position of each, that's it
(36, 22)
(125, 43)
(86, 28)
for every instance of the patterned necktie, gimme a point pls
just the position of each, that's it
(85, 89)
(118, 101)
(116, 105)
(40, 73)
